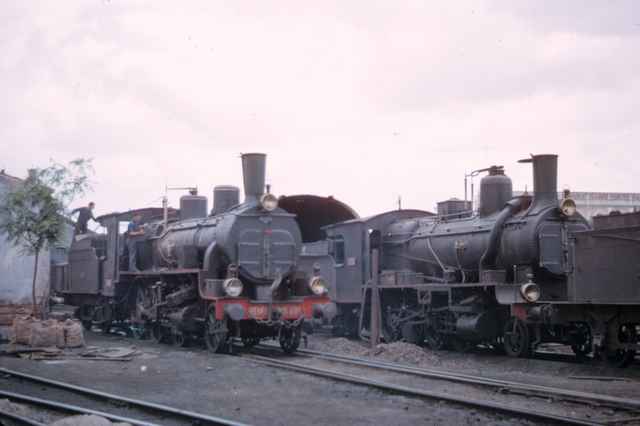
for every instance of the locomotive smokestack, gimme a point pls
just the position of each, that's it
(253, 172)
(545, 179)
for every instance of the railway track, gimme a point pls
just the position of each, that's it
(150, 413)
(595, 402)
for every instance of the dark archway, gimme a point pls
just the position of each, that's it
(313, 212)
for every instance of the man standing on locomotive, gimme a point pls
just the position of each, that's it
(133, 230)
(84, 214)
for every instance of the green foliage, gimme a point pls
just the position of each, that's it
(69, 181)
(32, 213)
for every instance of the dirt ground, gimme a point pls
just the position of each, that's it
(552, 367)
(238, 389)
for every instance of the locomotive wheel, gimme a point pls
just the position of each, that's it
(497, 346)
(85, 314)
(290, 339)
(106, 327)
(157, 333)
(215, 331)
(435, 340)
(622, 357)
(250, 341)
(338, 328)
(584, 346)
(413, 333)
(142, 302)
(103, 317)
(178, 339)
(461, 345)
(516, 338)
(139, 332)
(391, 329)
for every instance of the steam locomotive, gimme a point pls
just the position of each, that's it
(233, 273)
(523, 271)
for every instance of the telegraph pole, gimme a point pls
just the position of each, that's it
(375, 298)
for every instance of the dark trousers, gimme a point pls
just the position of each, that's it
(81, 228)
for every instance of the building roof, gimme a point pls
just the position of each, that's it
(7, 178)
(404, 213)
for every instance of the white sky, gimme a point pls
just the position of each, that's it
(362, 100)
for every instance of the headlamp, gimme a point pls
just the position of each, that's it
(232, 286)
(530, 292)
(269, 202)
(568, 207)
(318, 286)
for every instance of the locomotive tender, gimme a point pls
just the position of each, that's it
(522, 271)
(231, 274)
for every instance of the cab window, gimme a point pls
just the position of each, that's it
(338, 251)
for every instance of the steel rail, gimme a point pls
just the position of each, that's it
(72, 408)
(19, 419)
(191, 415)
(421, 393)
(549, 391)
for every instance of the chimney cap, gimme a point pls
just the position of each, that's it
(534, 156)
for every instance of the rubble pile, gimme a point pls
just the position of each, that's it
(404, 353)
(47, 333)
(400, 352)
(340, 345)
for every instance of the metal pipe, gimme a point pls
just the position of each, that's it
(489, 256)
(165, 212)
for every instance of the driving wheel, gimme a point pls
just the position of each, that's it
(516, 338)
(435, 340)
(215, 331)
(620, 357)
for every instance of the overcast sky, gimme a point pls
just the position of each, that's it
(362, 100)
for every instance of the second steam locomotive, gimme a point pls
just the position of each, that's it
(520, 272)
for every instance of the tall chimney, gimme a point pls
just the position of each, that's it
(545, 179)
(253, 172)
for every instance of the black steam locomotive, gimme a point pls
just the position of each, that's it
(233, 273)
(522, 271)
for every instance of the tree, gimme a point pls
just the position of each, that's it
(32, 215)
